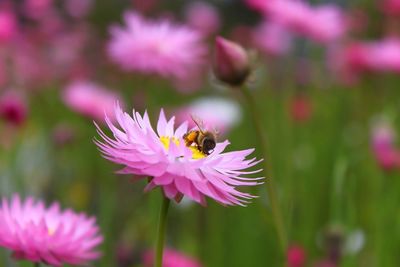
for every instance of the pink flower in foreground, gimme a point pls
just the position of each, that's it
(324, 23)
(171, 258)
(157, 47)
(90, 99)
(39, 234)
(178, 169)
(13, 108)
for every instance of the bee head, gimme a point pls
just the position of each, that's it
(208, 145)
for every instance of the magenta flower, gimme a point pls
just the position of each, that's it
(171, 258)
(296, 256)
(383, 147)
(39, 234)
(13, 108)
(272, 39)
(157, 47)
(391, 7)
(323, 23)
(8, 25)
(203, 17)
(90, 99)
(178, 169)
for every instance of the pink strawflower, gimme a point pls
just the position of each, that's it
(323, 23)
(13, 108)
(272, 39)
(178, 169)
(157, 47)
(296, 256)
(229, 113)
(203, 17)
(90, 99)
(171, 258)
(39, 234)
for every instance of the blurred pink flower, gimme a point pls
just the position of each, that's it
(358, 57)
(157, 47)
(296, 256)
(323, 23)
(391, 7)
(13, 108)
(301, 108)
(171, 258)
(8, 25)
(37, 9)
(272, 39)
(178, 169)
(386, 154)
(78, 8)
(203, 17)
(90, 99)
(39, 234)
(229, 114)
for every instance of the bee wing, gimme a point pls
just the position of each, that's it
(199, 122)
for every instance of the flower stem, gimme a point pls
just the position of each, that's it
(270, 184)
(162, 223)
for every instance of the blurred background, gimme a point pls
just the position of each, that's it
(325, 75)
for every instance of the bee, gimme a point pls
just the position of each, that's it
(205, 141)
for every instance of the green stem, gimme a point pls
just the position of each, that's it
(270, 184)
(162, 223)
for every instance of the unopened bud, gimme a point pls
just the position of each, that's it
(231, 62)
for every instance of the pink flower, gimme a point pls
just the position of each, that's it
(386, 154)
(8, 26)
(180, 170)
(391, 7)
(171, 258)
(373, 56)
(157, 47)
(90, 99)
(13, 108)
(78, 8)
(37, 9)
(296, 256)
(301, 108)
(272, 39)
(203, 17)
(323, 24)
(229, 113)
(39, 234)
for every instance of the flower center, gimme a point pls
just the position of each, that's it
(196, 153)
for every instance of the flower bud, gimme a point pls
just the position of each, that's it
(231, 62)
(13, 108)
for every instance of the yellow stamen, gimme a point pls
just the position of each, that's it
(196, 153)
